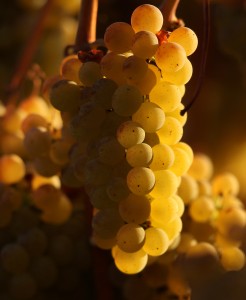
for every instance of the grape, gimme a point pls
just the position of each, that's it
(140, 180)
(139, 155)
(44, 271)
(152, 139)
(46, 196)
(89, 73)
(135, 209)
(201, 167)
(156, 241)
(177, 114)
(22, 286)
(11, 197)
(134, 68)
(118, 37)
(181, 163)
(188, 189)
(172, 228)
(170, 57)
(129, 134)
(164, 210)
(103, 91)
(186, 148)
(144, 44)
(165, 184)
(100, 199)
(225, 184)
(130, 237)
(232, 258)
(61, 250)
(12, 169)
(150, 116)
(186, 38)
(36, 105)
(163, 157)
(33, 120)
(171, 132)
(110, 151)
(111, 67)
(147, 17)
(117, 189)
(59, 152)
(96, 173)
(15, 258)
(102, 243)
(187, 240)
(107, 222)
(166, 95)
(181, 76)
(201, 209)
(12, 120)
(65, 95)
(126, 100)
(69, 68)
(130, 263)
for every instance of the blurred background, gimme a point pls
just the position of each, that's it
(216, 122)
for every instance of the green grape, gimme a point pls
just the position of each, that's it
(69, 68)
(37, 141)
(139, 155)
(126, 100)
(15, 258)
(181, 162)
(177, 114)
(166, 184)
(201, 209)
(186, 38)
(61, 250)
(59, 152)
(106, 244)
(89, 73)
(12, 169)
(187, 240)
(164, 210)
(144, 44)
(65, 95)
(117, 189)
(172, 228)
(130, 237)
(34, 241)
(147, 17)
(103, 91)
(166, 95)
(44, 166)
(201, 167)
(232, 258)
(181, 76)
(111, 122)
(22, 286)
(156, 241)
(100, 199)
(170, 57)
(44, 271)
(150, 116)
(140, 180)
(112, 67)
(163, 157)
(107, 222)
(121, 170)
(225, 184)
(186, 148)
(118, 37)
(135, 209)
(110, 151)
(171, 132)
(180, 204)
(46, 196)
(129, 134)
(96, 173)
(134, 68)
(33, 120)
(130, 263)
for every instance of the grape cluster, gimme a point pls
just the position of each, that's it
(123, 111)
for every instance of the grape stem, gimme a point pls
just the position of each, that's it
(27, 54)
(168, 9)
(86, 32)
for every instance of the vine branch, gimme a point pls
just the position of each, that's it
(168, 9)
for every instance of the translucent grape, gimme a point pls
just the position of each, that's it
(135, 68)
(201, 168)
(163, 157)
(150, 116)
(165, 184)
(232, 258)
(163, 209)
(156, 241)
(140, 180)
(130, 263)
(144, 44)
(170, 57)
(184, 146)
(118, 37)
(187, 240)
(188, 189)
(126, 100)
(130, 133)
(33, 120)
(105, 244)
(166, 95)
(139, 155)
(172, 228)
(69, 68)
(225, 184)
(181, 163)
(130, 237)
(12, 169)
(201, 209)
(147, 17)
(177, 114)
(171, 132)
(135, 209)
(186, 38)
(89, 73)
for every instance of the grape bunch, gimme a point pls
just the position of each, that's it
(122, 107)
